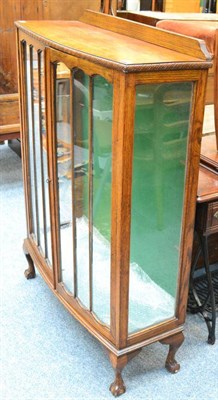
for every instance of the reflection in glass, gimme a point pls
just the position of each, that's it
(102, 152)
(161, 130)
(30, 122)
(37, 142)
(44, 159)
(84, 186)
(81, 183)
(92, 191)
(64, 173)
(37, 150)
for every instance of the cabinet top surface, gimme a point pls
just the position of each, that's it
(79, 38)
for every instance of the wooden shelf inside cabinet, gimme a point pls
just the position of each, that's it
(111, 145)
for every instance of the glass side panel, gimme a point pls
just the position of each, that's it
(81, 183)
(162, 117)
(102, 153)
(30, 122)
(64, 173)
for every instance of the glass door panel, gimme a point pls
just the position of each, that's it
(31, 137)
(37, 142)
(37, 150)
(102, 155)
(83, 130)
(46, 231)
(81, 99)
(64, 174)
(162, 117)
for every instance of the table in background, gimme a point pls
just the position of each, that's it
(203, 295)
(188, 24)
(152, 17)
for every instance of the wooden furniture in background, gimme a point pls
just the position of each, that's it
(209, 153)
(11, 11)
(186, 23)
(189, 6)
(9, 112)
(167, 5)
(154, 5)
(152, 17)
(209, 160)
(202, 289)
(207, 191)
(111, 164)
(208, 31)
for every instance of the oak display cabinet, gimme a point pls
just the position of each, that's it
(111, 131)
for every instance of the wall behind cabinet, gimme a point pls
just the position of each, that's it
(12, 10)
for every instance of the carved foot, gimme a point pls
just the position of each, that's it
(119, 362)
(29, 273)
(175, 342)
(117, 387)
(211, 339)
(172, 366)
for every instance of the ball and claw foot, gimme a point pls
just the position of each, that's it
(117, 387)
(173, 366)
(211, 339)
(29, 273)
(174, 343)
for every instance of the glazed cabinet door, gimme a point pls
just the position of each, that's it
(81, 126)
(35, 151)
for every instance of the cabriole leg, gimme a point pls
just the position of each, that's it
(29, 273)
(118, 387)
(174, 342)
